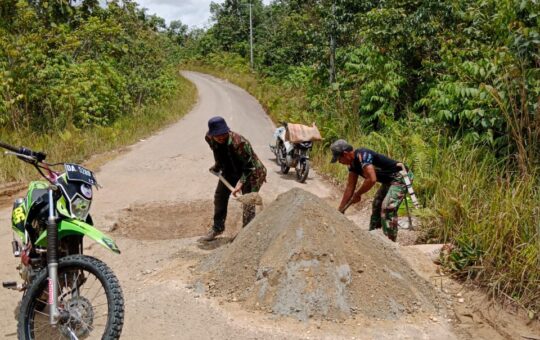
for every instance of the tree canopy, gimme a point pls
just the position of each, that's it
(470, 66)
(75, 63)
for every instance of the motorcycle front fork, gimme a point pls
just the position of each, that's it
(52, 261)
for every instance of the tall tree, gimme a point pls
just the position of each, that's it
(178, 31)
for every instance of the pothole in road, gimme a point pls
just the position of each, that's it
(173, 220)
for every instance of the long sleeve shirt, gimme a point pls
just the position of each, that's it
(236, 157)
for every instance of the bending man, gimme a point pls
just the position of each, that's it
(373, 167)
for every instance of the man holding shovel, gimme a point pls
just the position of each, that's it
(374, 167)
(237, 165)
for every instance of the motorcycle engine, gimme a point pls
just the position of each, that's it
(27, 273)
(289, 160)
(292, 161)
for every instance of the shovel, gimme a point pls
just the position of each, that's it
(249, 198)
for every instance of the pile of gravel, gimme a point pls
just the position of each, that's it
(302, 258)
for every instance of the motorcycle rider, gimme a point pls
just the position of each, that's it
(373, 167)
(239, 165)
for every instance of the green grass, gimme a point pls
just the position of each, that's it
(470, 199)
(74, 145)
(494, 220)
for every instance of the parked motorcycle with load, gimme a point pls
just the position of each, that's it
(66, 294)
(292, 145)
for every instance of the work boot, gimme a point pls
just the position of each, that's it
(212, 234)
(375, 223)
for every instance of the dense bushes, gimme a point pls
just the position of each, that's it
(77, 78)
(63, 65)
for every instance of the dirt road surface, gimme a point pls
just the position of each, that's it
(157, 199)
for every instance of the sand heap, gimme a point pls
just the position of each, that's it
(302, 258)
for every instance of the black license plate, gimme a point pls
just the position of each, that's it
(76, 172)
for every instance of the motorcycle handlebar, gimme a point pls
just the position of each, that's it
(39, 156)
(9, 147)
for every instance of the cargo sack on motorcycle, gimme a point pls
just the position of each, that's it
(297, 133)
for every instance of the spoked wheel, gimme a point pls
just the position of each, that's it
(279, 156)
(284, 169)
(90, 303)
(282, 154)
(302, 170)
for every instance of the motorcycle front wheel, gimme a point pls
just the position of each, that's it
(282, 159)
(90, 302)
(302, 170)
(277, 151)
(284, 168)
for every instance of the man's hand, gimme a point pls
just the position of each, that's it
(237, 188)
(354, 199)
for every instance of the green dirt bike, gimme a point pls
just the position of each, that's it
(66, 294)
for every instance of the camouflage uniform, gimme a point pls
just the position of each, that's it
(386, 204)
(391, 192)
(238, 162)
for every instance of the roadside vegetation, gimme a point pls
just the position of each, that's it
(452, 88)
(78, 79)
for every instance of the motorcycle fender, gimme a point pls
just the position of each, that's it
(75, 227)
(289, 147)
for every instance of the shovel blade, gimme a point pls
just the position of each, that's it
(250, 198)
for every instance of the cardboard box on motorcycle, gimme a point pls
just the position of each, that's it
(297, 133)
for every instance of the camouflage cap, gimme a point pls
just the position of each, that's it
(338, 148)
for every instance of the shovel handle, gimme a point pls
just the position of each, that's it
(223, 180)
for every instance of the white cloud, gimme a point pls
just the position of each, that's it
(194, 13)
(190, 12)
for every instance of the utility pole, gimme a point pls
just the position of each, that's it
(250, 34)
(250, 37)
(333, 45)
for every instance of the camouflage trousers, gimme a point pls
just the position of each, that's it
(385, 206)
(222, 195)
